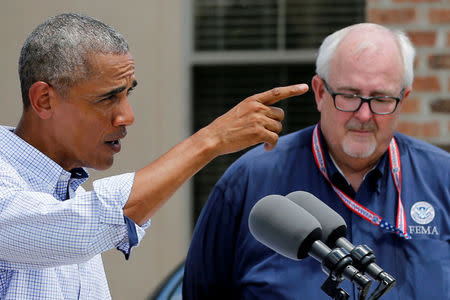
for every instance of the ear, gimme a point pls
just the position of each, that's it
(405, 95)
(40, 94)
(319, 91)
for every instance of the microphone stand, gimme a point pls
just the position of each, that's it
(337, 263)
(386, 283)
(330, 287)
(364, 260)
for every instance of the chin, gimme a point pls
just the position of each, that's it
(358, 150)
(101, 166)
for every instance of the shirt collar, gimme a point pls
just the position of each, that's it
(31, 160)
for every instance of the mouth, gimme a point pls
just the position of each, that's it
(361, 129)
(113, 145)
(113, 141)
(361, 133)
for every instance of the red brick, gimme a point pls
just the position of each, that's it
(439, 16)
(391, 16)
(411, 105)
(420, 130)
(426, 84)
(408, 128)
(440, 106)
(422, 38)
(431, 129)
(439, 61)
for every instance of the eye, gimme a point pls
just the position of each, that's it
(349, 97)
(130, 90)
(109, 98)
(384, 99)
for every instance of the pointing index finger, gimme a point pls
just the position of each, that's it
(276, 94)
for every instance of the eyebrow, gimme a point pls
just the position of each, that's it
(356, 91)
(117, 90)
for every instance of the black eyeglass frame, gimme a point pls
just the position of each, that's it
(363, 100)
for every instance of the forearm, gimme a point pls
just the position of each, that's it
(250, 122)
(158, 181)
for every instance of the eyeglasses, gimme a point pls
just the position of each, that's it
(379, 105)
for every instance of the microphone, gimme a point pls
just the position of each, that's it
(290, 230)
(334, 230)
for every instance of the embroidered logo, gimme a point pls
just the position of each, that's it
(422, 212)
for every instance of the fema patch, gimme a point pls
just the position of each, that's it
(422, 212)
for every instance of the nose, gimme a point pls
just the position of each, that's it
(124, 115)
(364, 113)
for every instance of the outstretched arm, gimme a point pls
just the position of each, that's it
(250, 122)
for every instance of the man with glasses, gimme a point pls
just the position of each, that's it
(392, 190)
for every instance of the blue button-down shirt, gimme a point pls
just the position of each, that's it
(52, 231)
(226, 262)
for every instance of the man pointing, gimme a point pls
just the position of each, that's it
(76, 76)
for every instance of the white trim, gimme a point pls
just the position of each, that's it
(252, 57)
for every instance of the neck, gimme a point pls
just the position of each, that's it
(26, 130)
(35, 132)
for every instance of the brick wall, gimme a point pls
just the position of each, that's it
(426, 113)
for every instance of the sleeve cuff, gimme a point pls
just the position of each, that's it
(135, 235)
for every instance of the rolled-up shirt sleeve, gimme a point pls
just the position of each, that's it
(39, 231)
(135, 234)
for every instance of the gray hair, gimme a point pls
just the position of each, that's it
(330, 43)
(57, 51)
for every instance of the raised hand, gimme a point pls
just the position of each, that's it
(252, 121)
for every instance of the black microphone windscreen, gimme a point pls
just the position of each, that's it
(333, 225)
(283, 226)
